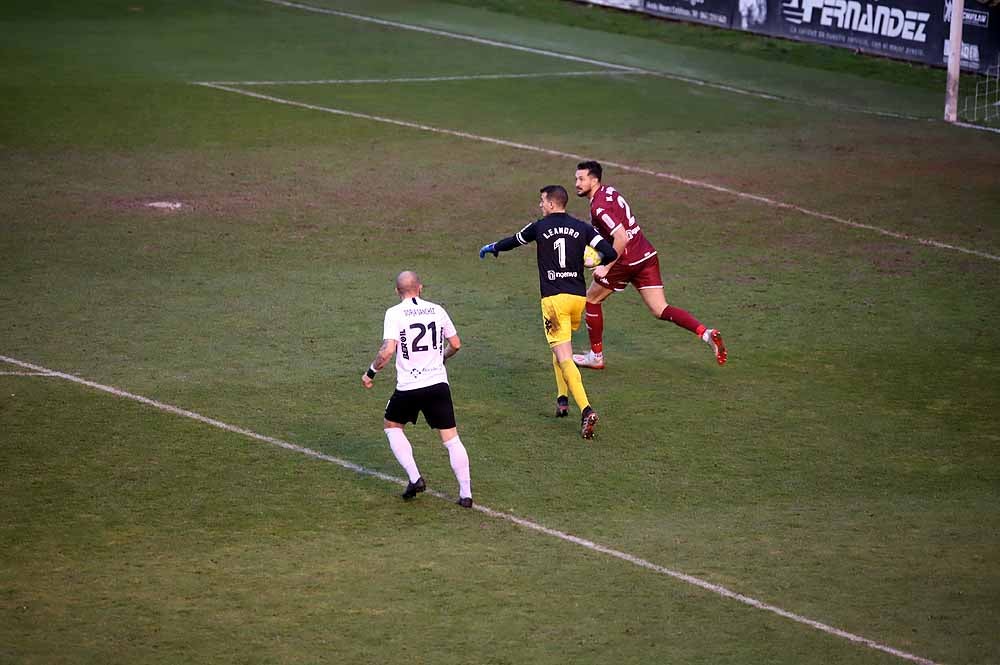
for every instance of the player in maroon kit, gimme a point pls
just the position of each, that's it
(637, 264)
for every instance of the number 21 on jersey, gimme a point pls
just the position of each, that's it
(421, 331)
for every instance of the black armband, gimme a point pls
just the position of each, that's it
(607, 251)
(371, 372)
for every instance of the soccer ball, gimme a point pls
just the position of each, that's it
(591, 258)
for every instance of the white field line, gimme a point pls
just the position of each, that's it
(520, 521)
(564, 56)
(432, 79)
(452, 35)
(26, 374)
(517, 47)
(635, 70)
(624, 167)
(969, 125)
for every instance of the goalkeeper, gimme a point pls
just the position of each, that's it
(560, 240)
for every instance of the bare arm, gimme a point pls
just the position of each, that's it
(384, 354)
(454, 344)
(382, 358)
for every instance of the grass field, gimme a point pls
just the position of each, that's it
(842, 470)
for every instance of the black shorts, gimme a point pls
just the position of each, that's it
(434, 401)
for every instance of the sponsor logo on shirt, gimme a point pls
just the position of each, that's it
(403, 348)
(553, 275)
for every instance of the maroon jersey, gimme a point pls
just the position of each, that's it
(608, 211)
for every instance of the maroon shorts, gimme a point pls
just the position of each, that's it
(645, 275)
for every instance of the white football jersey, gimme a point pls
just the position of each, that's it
(421, 330)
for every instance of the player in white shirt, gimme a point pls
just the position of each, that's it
(421, 335)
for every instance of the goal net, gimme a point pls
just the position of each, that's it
(984, 105)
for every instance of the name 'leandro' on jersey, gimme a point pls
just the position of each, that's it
(561, 231)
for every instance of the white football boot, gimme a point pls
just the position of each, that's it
(590, 360)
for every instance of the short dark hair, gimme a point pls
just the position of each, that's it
(556, 193)
(593, 168)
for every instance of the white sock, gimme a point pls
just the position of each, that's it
(707, 335)
(403, 451)
(460, 465)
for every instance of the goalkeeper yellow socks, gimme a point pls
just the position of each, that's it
(571, 375)
(561, 387)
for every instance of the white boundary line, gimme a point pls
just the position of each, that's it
(452, 35)
(520, 521)
(526, 49)
(969, 125)
(26, 374)
(624, 167)
(564, 56)
(635, 70)
(433, 79)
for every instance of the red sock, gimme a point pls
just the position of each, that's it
(595, 326)
(682, 318)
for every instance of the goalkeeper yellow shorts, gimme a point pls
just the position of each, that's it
(561, 315)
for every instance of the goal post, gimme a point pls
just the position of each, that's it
(954, 61)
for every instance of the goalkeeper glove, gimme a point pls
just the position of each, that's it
(489, 249)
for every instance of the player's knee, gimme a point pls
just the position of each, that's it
(595, 297)
(595, 294)
(655, 302)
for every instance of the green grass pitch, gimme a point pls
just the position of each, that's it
(842, 467)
